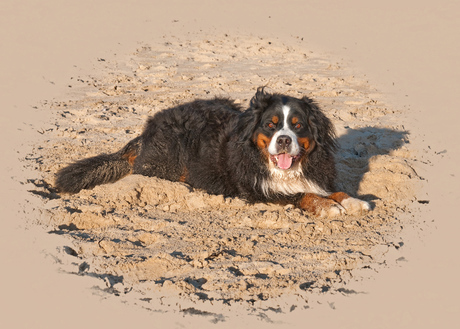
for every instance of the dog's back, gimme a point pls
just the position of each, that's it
(174, 143)
(187, 143)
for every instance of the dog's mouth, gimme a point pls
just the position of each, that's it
(283, 160)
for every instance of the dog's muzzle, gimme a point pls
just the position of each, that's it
(283, 159)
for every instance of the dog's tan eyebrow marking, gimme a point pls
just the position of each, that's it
(295, 120)
(275, 119)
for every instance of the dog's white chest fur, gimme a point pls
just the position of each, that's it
(289, 182)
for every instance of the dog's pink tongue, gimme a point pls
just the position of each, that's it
(284, 161)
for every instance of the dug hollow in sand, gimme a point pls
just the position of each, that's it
(280, 150)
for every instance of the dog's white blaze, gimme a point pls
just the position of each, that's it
(290, 182)
(285, 131)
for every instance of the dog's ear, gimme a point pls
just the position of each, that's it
(321, 127)
(260, 100)
(250, 119)
(246, 126)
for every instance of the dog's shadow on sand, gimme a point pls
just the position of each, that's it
(356, 148)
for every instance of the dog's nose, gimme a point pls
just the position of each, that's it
(284, 141)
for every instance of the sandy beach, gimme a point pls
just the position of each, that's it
(81, 79)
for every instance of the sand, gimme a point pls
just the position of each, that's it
(144, 234)
(144, 250)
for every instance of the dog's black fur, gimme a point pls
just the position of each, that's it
(216, 146)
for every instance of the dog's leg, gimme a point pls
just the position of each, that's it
(352, 205)
(320, 206)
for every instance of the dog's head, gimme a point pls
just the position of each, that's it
(287, 129)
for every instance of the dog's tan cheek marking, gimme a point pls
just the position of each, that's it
(304, 142)
(262, 141)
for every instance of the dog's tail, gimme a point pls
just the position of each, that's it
(101, 169)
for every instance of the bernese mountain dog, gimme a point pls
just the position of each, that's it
(279, 150)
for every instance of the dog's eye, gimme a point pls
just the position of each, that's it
(271, 125)
(298, 126)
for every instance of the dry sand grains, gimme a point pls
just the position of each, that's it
(145, 236)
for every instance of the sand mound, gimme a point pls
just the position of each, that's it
(148, 235)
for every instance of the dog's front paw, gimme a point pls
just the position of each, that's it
(320, 206)
(355, 206)
(351, 205)
(330, 210)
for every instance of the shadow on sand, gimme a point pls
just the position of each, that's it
(357, 147)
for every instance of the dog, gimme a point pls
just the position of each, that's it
(279, 150)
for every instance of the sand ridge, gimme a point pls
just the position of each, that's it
(147, 236)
